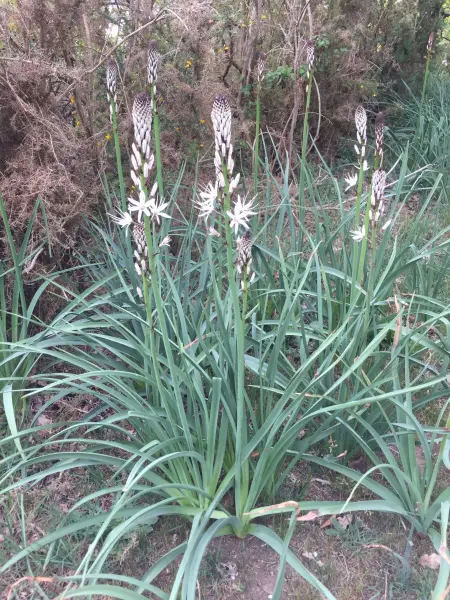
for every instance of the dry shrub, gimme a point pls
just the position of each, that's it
(362, 49)
(47, 152)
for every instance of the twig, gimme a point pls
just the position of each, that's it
(159, 17)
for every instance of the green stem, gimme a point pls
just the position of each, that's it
(373, 242)
(356, 279)
(242, 470)
(256, 150)
(304, 155)
(425, 80)
(123, 199)
(244, 296)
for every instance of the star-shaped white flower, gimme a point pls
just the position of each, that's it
(351, 180)
(206, 204)
(140, 206)
(123, 219)
(157, 210)
(241, 213)
(210, 192)
(358, 234)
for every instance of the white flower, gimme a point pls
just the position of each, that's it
(213, 232)
(139, 292)
(359, 234)
(209, 193)
(135, 178)
(141, 206)
(230, 162)
(124, 219)
(351, 180)
(356, 149)
(157, 209)
(206, 205)
(241, 213)
(165, 242)
(365, 165)
(386, 225)
(234, 183)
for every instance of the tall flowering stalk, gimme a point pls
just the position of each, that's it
(360, 149)
(260, 69)
(153, 62)
(375, 212)
(310, 76)
(218, 197)
(111, 92)
(147, 209)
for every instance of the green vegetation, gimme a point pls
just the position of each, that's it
(225, 342)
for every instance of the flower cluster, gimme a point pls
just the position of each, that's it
(240, 213)
(430, 43)
(111, 86)
(154, 58)
(147, 203)
(260, 66)
(379, 135)
(310, 56)
(223, 160)
(377, 198)
(361, 131)
(360, 147)
(244, 258)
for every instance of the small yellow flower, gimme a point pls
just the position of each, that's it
(177, 129)
(72, 99)
(188, 64)
(250, 22)
(225, 48)
(77, 123)
(99, 144)
(107, 137)
(263, 17)
(379, 47)
(361, 86)
(243, 25)
(219, 50)
(202, 121)
(374, 94)
(133, 188)
(201, 145)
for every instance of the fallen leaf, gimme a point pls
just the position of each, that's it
(432, 561)
(345, 521)
(310, 516)
(328, 522)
